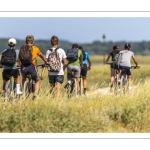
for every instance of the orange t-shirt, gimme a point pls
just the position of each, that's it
(35, 52)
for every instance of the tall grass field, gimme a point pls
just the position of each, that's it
(98, 112)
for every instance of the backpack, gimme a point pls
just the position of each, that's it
(72, 54)
(25, 55)
(8, 57)
(117, 58)
(54, 61)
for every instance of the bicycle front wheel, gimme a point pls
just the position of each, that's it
(27, 89)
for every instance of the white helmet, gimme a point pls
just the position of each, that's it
(12, 40)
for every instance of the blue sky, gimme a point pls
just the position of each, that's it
(77, 29)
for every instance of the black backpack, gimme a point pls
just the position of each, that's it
(25, 55)
(72, 54)
(8, 57)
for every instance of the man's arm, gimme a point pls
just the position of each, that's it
(43, 58)
(65, 63)
(134, 59)
(90, 63)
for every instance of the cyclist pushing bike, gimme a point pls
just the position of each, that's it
(125, 63)
(27, 61)
(75, 63)
(9, 63)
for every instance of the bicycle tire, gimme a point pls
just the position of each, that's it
(124, 83)
(116, 85)
(81, 86)
(27, 89)
(72, 88)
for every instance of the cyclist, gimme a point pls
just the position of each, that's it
(11, 71)
(112, 66)
(56, 78)
(86, 66)
(125, 63)
(31, 67)
(75, 65)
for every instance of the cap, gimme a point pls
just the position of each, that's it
(12, 40)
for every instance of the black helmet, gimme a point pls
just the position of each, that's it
(127, 46)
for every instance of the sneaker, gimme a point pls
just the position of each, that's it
(68, 83)
(111, 89)
(119, 80)
(35, 96)
(19, 92)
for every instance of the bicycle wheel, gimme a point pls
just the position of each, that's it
(124, 84)
(81, 86)
(116, 85)
(9, 93)
(27, 89)
(72, 88)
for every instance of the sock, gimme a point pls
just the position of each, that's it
(18, 87)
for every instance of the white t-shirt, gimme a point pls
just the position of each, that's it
(62, 55)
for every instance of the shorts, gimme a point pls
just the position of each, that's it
(56, 78)
(76, 69)
(8, 73)
(84, 70)
(127, 69)
(114, 66)
(30, 69)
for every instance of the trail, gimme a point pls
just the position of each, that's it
(106, 91)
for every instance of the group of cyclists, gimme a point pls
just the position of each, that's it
(80, 65)
(125, 62)
(56, 78)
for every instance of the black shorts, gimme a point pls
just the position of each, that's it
(84, 70)
(7, 74)
(114, 66)
(56, 78)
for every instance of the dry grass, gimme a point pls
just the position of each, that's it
(100, 111)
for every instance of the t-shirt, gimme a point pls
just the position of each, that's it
(62, 55)
(87, 56)
(11, 67)
(126, 58)
(77, 62)
(113, 53)
(35, 52)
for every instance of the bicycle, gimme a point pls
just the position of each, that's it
(71, 86)
(115, 87)
(124, 80)
(28, 87)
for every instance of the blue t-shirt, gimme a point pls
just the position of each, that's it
(12, 67)
(87, 56)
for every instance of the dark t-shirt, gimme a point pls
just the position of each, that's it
(113, 53)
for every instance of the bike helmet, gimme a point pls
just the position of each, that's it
(12, 41)
(127, 46)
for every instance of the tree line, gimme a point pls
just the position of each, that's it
(94, 48)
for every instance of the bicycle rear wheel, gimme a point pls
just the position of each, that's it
(124, 84)
(72, 88)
